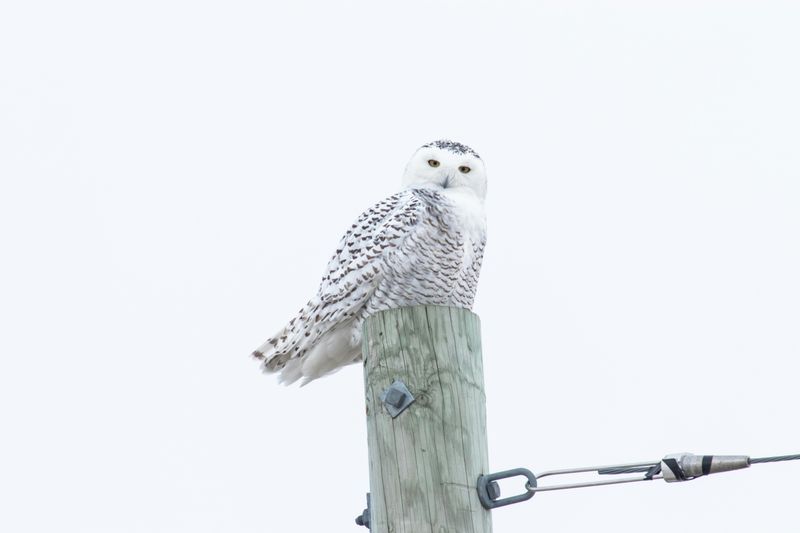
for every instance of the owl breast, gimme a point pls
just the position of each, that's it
(446, 260)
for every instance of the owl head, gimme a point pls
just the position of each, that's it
(445, 165)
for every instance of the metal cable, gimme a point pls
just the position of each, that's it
(775, 459)
(672, 468)
(636, 469)
(629, 470)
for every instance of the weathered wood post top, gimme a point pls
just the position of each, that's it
(426, 420)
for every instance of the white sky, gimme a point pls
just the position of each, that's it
(175, 175)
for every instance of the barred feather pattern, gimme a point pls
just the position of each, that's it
(413, 248)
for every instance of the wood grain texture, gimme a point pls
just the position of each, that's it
(424, 464)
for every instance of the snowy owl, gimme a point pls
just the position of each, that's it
(421, 246)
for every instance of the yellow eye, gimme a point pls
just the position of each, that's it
(434, 163)
(464, 169)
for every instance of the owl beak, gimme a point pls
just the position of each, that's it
(447, 179)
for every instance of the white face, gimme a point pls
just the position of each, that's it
(435, 167)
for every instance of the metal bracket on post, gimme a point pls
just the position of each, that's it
(397, 398)
(363, 518)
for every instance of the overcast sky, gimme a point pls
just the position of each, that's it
(175, 175)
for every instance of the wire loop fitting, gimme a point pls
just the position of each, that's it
(489, 490)
(672, 468)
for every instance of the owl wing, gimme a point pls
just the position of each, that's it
(352, 275)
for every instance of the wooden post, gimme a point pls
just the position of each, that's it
(424, 464)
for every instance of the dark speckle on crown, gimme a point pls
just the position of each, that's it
(452, 146)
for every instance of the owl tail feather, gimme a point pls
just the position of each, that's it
(291, 342)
